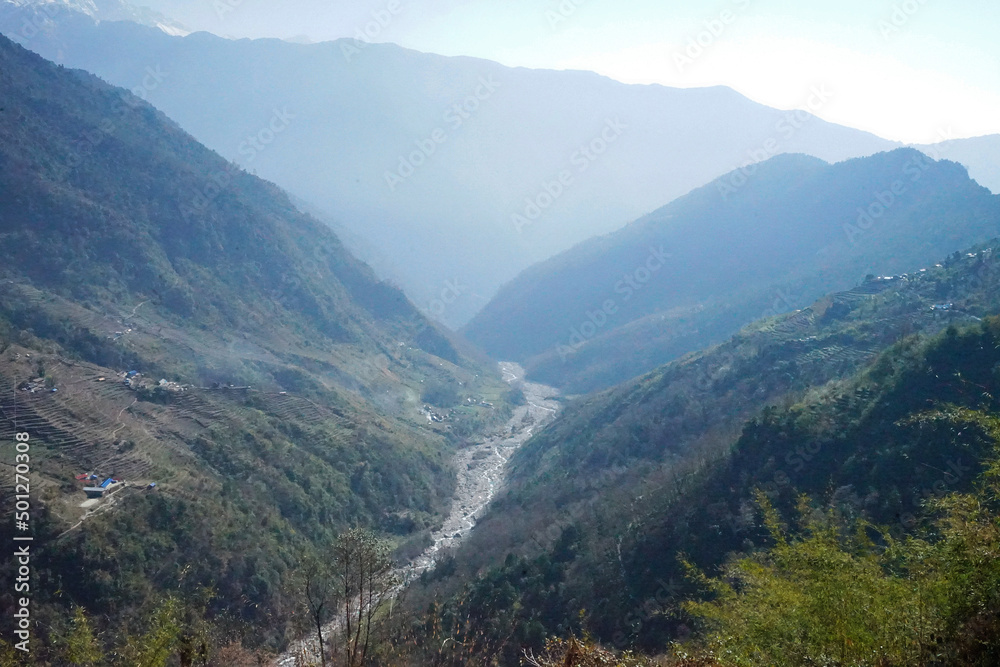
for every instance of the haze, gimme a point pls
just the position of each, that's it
(404, 333)
(902, 70)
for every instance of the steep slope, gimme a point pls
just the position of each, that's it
(166, 317)
(424, 157)
(694, 271)
(602, 501)
(980, 154)
(114, 204)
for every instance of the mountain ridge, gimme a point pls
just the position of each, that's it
(740, 247)
(493, 165)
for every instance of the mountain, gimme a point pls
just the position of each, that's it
(167, 318)
(206, 243)
(980, 154)
(693, 272)
(45, 16)
(454, 173)
(866, 400)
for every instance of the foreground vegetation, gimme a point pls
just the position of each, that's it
(831, 591)
(850, 593)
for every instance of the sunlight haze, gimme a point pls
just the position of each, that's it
(915, 71)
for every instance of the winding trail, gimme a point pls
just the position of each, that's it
(115, 433)
(481, 473)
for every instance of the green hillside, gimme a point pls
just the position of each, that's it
(273, 428)
(857, 400)
(167, 318)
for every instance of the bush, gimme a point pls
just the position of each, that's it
(846, 593)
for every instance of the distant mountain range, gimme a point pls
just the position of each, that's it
(693, 272)
(44, 15)
(447, 175)
(451, 174)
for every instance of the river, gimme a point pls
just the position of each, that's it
(481, 469)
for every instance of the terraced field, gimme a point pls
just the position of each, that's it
(93, 423)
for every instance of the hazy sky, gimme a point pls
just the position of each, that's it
(910, 70)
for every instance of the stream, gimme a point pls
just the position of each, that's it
(481, 469)
(482, 466)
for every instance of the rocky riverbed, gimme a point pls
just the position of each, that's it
(481, 470)
(481, 467)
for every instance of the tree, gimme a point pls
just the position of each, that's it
(849, 591)
(317, 585)
(366, 580)
(156, 647)
(10, 656)
(81, 645)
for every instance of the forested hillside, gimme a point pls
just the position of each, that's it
(756, 427)
(752, 244)
(860, 400)
(172, 322)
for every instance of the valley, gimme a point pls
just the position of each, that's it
(498, 345)
(481, 473)
(482, 466)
